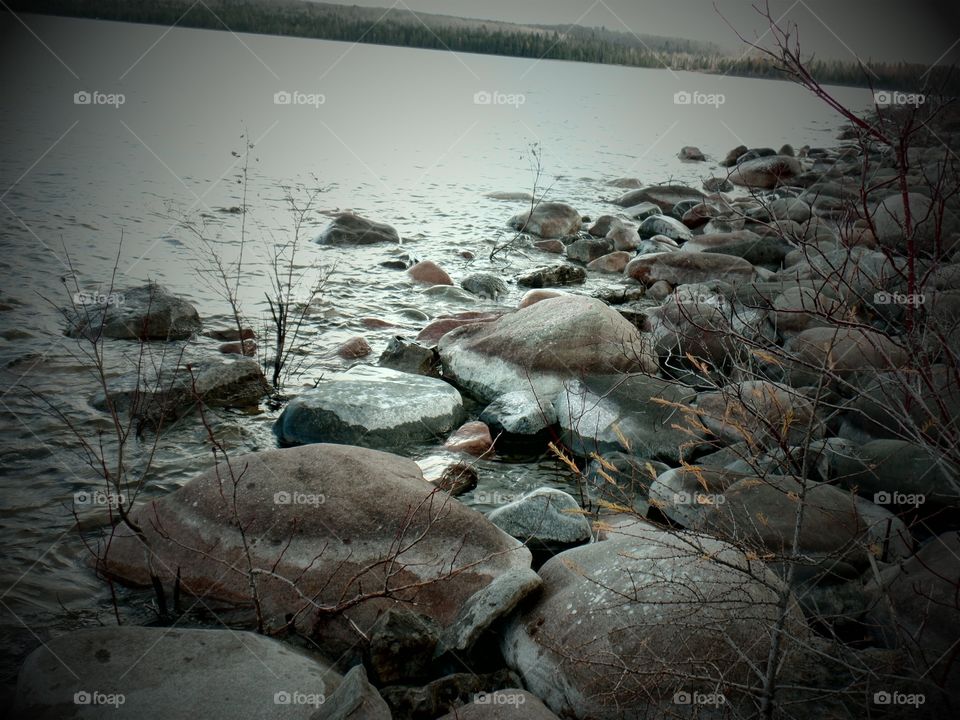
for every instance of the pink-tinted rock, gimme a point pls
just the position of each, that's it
(472, 438)
(439, 327)
(550, 246)
(680, 268)
(613, 262)
(375, 323)
(624, 238)
(355, 347)
(429, 273)
(535, 296)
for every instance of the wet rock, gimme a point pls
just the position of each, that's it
(428, 272)
(664, 225)
(169, 672)
(166, 396)
(604, 225)
(449, 293)
(325, 518)
(663, 196)
(585, 250)
(708, 601)
(149, 312)
(536, 348)
(624, 238)
(371, 407)
(485, 285)
(472, 438)
(548, 220)
(550, 246)
(613, 262)
(783, 209)
(699, 215)
(678, 268)
(496, 600)
(765, 172)
(355, 698)
(355, 347)
(641, 211)
(731, 158)
(401, 648)
(445, 694)
(627, 413)
(689, 153)
(544, 516)
(534, 296)
(409, 356)
(246, 347)
(553, 276)
(439, 327)
(625, 183)
(507, 195)
(760, 412)
(519, 412)
(844, 350)
(350, 229)
(458, 479)
(765, 251)
(617, 480)
(230, 334)
(716, 184)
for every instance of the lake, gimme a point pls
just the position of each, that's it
(413, 138)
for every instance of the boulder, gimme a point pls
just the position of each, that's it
(326, 520)
(485, 285)
(355, 347)
(618, 481)
(765, 172)
(587, 249)
(759, 412)
(717, 184)
(532, 297)
(551, 246)
(843, 351)
(631, 413)
(731, 158)
(665, 608)
(428, 272)
(624, 238)
(354, 699)
(664, 225)
(350, 229)
(544, 516)
(679, 268)
(689, 153)
(663, 196)
(613, 262)
(158, 673)
(540, 346)
(553, 276)
(519, 412)
(766, 251)
(149, 312)
(401, 645)
(472, 438)
(548, 220)
(604, 225)
(371, 406)
(686, 494)
(437, 328)
(409, 356)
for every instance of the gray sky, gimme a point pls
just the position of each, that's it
(911, 30)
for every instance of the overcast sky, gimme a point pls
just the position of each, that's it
(911, 30)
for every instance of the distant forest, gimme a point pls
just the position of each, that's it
(300, 18)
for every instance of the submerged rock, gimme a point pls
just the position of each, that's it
(485, 285)
(548, 220)
(150, 312)
(350, 229)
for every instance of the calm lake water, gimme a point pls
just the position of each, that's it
(401, 136)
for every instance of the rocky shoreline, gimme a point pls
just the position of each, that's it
(757, 419)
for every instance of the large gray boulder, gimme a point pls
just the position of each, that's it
(623, 625)
(545, 516)
(371, 407)
(548, 220)
(632, 413)
(663, 196)
(160, 673)
(150, 312)
(519, 412)
(765, 172)
(538, 347)
(350, 229)
(321, 524)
